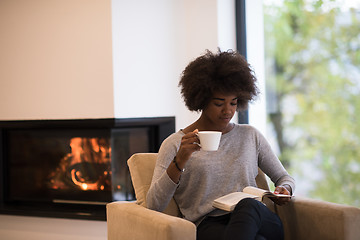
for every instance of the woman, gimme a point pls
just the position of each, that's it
(218, 84)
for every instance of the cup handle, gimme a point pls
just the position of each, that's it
(196, 142)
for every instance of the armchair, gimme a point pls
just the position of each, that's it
(302, 218)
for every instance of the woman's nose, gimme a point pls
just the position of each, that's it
(227, 109)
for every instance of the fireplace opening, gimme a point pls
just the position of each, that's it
(72, 168)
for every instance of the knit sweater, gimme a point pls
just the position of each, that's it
(209, 175)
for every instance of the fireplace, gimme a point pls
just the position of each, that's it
(72, 168)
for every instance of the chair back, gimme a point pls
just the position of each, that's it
(141, 166)
(261, 181)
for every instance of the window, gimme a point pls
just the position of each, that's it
(312, 76)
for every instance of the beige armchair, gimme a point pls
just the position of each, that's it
(303, 218)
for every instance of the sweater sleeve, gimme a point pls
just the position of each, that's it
(270, 164)
(162, 188)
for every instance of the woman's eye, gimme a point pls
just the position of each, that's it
(218, 104)
(234, 104)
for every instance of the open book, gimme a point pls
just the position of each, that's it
(229, 201)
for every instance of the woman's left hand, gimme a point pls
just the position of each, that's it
(281, 200)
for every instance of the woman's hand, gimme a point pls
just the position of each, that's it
(281, 200)
(189, 144)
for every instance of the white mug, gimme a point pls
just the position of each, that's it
(209, 140)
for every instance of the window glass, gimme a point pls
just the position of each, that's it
(312, 74)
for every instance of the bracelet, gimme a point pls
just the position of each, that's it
(177, 166)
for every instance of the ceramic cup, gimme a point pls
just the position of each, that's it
(209, 140)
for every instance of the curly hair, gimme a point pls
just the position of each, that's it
(225, 72)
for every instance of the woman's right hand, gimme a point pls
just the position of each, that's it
(189, 144)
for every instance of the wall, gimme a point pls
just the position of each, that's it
(255, 56)
(147, 56)
(56, 59)
(65, 59)
(82, 59)
(151, 52)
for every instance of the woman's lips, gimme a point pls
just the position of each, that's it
(226, 118)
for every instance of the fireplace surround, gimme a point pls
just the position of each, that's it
(72, 168)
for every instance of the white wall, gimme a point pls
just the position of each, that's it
(147, 56)
(255, 56)
(150, 53)
(98, 59)
(56, 59)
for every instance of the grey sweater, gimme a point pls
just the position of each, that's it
(209, 175)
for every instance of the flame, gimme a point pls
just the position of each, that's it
(84, 186)
(87, 166)
(81, 182)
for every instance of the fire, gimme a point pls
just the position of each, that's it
(86, 167)
(84, 186)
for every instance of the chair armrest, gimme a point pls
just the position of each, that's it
(305, 218)
(127, 220)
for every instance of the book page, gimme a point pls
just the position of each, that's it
(255, 191)
(261, 192)
(234, 198)
(229, 201)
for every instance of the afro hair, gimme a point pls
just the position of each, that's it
(226, 72)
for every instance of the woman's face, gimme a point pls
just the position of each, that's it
(220, 110)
